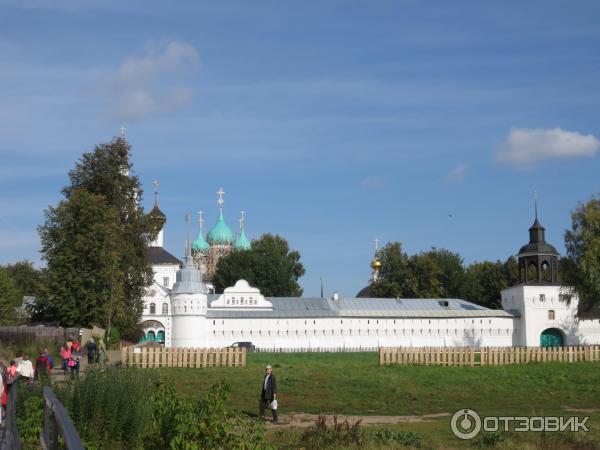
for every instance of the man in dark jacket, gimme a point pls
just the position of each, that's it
(91, 350)
(268, 393)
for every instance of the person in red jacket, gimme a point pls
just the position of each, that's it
(42, 366)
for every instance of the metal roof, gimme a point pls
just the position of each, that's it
(158, 255)
(313, 307)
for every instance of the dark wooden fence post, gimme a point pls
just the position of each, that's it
(13, 440)
(57, 422)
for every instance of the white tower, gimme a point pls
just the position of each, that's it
(188, 306)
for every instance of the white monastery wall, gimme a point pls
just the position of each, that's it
(361, 332)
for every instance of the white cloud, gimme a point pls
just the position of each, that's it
(457, 174)
(373, 182)
(524, 146)
(147, 85)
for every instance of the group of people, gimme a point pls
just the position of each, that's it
(72, 352)
(22, 370)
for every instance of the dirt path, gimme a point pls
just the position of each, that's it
(302, 420)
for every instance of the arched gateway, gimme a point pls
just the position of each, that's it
(154, 331)
(552, 337)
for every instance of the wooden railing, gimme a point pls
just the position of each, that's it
(151, 357)
(486, 356)
(58, 423)
(13, 441)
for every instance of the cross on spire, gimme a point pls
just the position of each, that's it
(535, 202)
(122, 131)
(376, 244)
(156, 184)
(200, 219)
(220, 193)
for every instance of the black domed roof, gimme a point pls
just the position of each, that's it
(538, 248)
(157, 214)
(537, 241)
(364, 292)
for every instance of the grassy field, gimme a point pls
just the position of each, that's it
(355, 384)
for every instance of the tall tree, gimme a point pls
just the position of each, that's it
(483, 283)
(10, 298)
(511, 271)
(581, 267)
(395, 276)
(270, 266)
(95, 244)
(450, 273)
(426, 275)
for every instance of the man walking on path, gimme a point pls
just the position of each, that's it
(91, 350)
(268, 393)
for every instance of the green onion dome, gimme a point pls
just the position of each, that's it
(220, 233)
(199, 244)
(242, 242)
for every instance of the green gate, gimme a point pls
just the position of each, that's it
(552, 337)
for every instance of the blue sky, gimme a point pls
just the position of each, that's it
(331, 123)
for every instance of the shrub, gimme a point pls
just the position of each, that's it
(30, 414)
(406, 438)
(181, 422)
(327, 436)
(491, 439)
(111, 408)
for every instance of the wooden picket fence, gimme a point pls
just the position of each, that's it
(486, 356)
(152, 357)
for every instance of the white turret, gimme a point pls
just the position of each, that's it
(188, 305)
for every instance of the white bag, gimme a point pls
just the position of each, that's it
(274, 404)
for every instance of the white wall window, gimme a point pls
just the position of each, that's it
(551, 314)
(166, 281)
(165, 308)
(542, 298)
(152, 308)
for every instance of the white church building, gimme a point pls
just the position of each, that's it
(181, 311)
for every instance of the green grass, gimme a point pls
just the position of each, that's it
(354, 383)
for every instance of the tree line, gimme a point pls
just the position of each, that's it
(97, 270)
(440, 273)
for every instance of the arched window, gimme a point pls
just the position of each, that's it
(165, 308)
(152, 308)
(551, 314)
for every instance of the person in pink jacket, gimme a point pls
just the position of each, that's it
(65, 354)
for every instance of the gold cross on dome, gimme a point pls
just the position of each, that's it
(376, 244)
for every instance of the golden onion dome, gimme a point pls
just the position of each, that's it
(375, 264)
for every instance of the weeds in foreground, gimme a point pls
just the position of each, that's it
(322, 435)
(30, 414)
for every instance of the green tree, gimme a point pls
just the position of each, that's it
(581, 267)
(437, 273)
(27, 278)
(10, 298)
(94, 242)
(450, 273)
(511, 271)
(426, 275)
(270, 266)
(483, 283)
(395, 276)
(78, 243)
